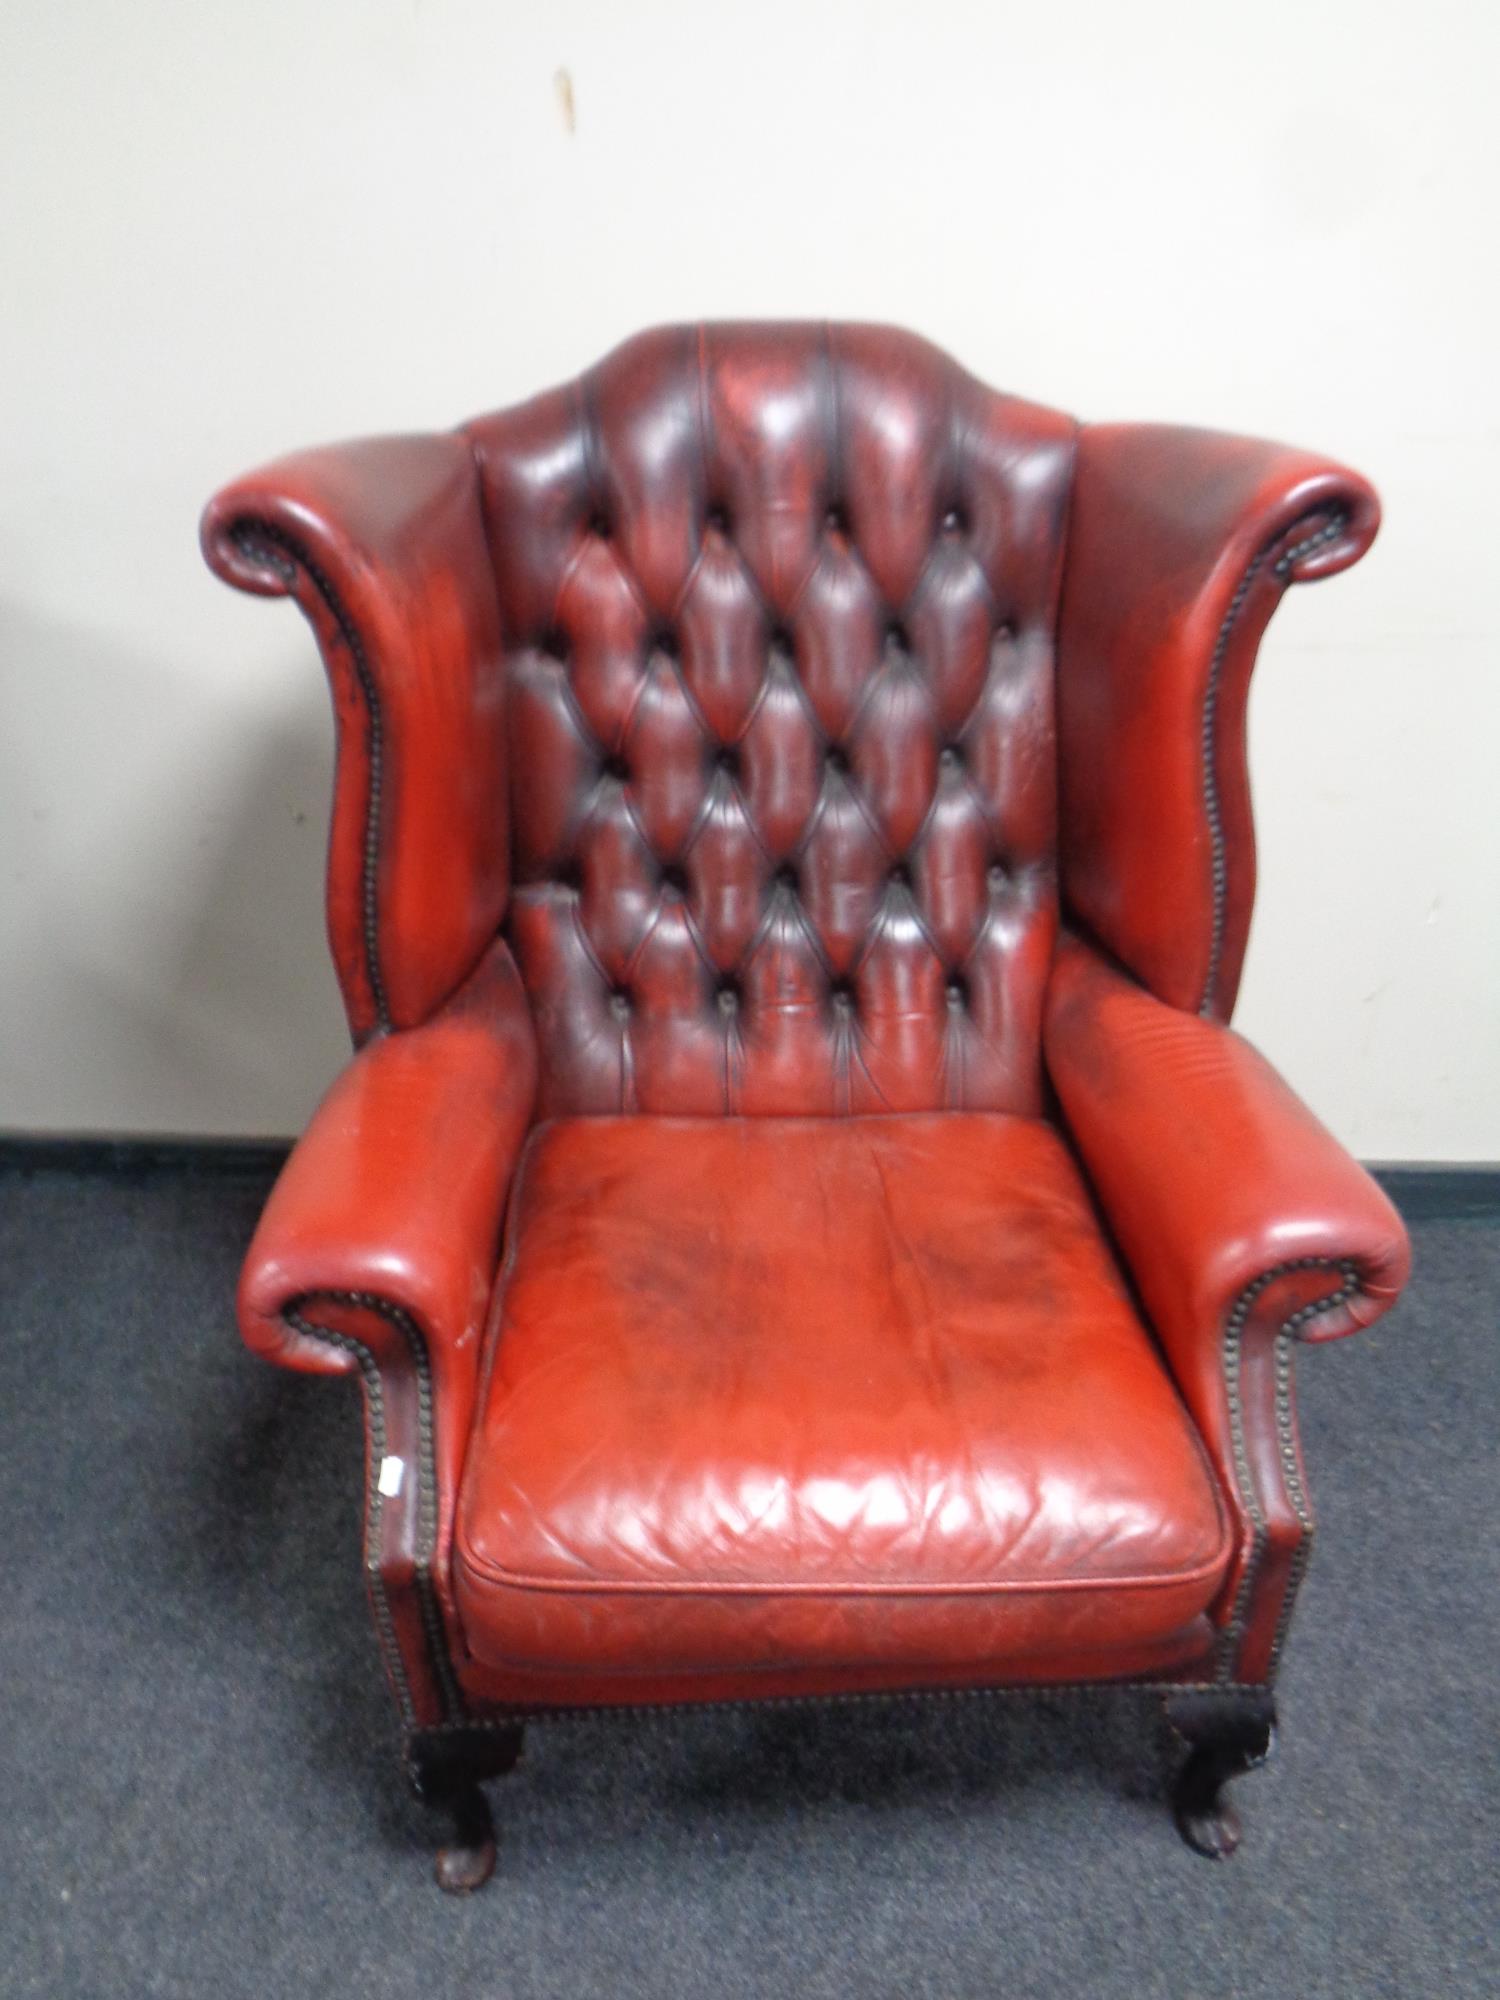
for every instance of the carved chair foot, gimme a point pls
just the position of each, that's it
(467, 1861)
(446, 1769)
(1227, 1734)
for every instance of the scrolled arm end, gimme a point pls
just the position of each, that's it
(245, 551)
(1337, 531)
(378, 515)
(1320, 1297)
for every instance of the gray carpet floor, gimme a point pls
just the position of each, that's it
(198, 1793)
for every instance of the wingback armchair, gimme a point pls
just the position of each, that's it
(797, 1211)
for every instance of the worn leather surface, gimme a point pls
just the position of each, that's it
(1240, 1217)
(779, 605)
(398, 1185)
(1210, 1169)
(381, 543)
(721, 739)
(807, 1392)
(1180, 546)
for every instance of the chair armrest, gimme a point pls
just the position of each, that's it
(1246, 1227)
(1211, 1171)
(376, 1254)
(1180, 546)
(382, 544)
(392, 1199)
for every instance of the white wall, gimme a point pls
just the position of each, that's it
(227, 231)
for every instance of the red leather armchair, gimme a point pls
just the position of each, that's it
(797, 1211)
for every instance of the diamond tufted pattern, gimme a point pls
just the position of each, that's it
(778, 606)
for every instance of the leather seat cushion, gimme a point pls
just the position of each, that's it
(822, 1396)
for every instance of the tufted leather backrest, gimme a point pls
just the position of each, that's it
(779, 606)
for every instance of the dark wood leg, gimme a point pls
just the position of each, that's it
(447, 1769)
(1227, 1734)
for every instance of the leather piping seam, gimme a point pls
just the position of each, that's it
(427, 1509)
(1286, 1444)
(1212, 804)
(269, 547)
(497, 1573)
(508, 1717)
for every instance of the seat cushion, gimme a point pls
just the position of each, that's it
(821, 1402)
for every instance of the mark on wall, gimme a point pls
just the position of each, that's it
(562, 83)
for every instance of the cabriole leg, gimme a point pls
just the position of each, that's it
(1227, 1734)
(447, 1770)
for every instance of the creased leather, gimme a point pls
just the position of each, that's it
(808, 1390)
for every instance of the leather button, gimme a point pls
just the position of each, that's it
(599, 524)
(619, 1003)
(896, 636)
(728, 999)
(717, 518)
(837, 759)
(995, 875)
(841, 993)
(675, 881)
(950, 757)
(554, 642)
(616, 768)
(957, 992)
(836, 520)
(900, 876)
(728, 759)
(666, 643)
(786, 878)
(955, 521)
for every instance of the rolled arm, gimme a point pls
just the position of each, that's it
(1212, 1172)
(376, 1255)
(396, 1190)
(382, 544)
(1180, 546)
(1246, 1227)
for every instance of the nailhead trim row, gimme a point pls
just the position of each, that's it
(1287, 1444)
(268, 547)
(385, 1624)
(1289, 1331)
(1331, 529)
(426, 1470)
(750, 1705)
(1300, 1563)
